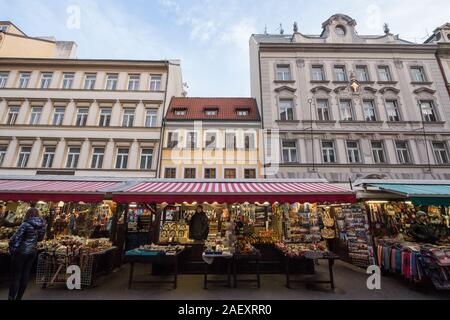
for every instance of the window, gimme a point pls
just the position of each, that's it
(49, 156)
(180, 112)
(230, 141)
(172, 140)
(369, 110)
(3, 28)
(340, 73)
(211, 112)
(210, 140)
(170, 173)
(384, 73)
(13, 113)
(210, 173)
(134, 82)
(58, 116)
(328, 152)
(441, 153)
(283, 73)
(392, 110)
(249, 173)
(403, 153)
(340, 30)
(346, 110)
(24, 156)
(378, 152)
(323, 110)
(150, 118)
(242, 112)
(146, 159)
(249, 141)
(105, 117)
(418, 74)
(122, 158)
(72, 157)
(190, 173)
(362, 74)
(230, 173)
(286, 109)
(155, 82)
(354, 155)
(3, 79)
(98, 154)
(191, 141)
(89, 81)
(46, 79)
(111, 81)
(35, 117)
(82, 115)
(68, 80)
(318, 73)
(128, 118)
(24, 80)
(428, 111)
(289, 151)
(3, 149)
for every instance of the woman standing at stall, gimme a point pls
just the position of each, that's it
(23, 249)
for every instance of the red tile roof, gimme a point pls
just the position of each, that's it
(226, 109)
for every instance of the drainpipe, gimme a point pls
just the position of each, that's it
(162, 130)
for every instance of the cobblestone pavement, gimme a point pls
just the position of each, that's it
(350, 283)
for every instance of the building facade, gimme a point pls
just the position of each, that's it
(344, 106)
(212, 139)
(441, 37)
(83, 117)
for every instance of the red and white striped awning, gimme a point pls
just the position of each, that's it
(172, 192)
(47, 190)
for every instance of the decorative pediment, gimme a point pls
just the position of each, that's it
(321, 88)
(285, 88)
(423, 89)
(370, 89)
(340, 88)
(392, 89)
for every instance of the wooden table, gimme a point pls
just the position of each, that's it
(159, 258)
(256, 257)
(331, 257)
(228, 260)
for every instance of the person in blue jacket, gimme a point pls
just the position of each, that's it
(23, 250)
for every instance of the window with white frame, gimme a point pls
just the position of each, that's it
(122, 158)
(3, 28)
(289, 148)
(24, 156)
(48, 157)
(24, 80)
(403, 154)
(13, 113)
(146, 158)
(328, 152)
(440, 151)
(105, 117)
(98, 154)
(323, 110)
(89, 81)
(111, 81)
(190, 173)
(68, 80)
(179, 112)
(210, 173)
(286, 109)
(284, 72)
(428, 111)
(230, 141)
(46, 79)
(72, 157)
(35, 116)
(128, 117)
(353, 152)
(134, 81)
(3, 79)
(170, 173)
(172, 140)
(243, 112)
(317, 73)
(369, 110)
(210, 112)
(418, 74)
(155, 82)
(151, 117)
(345, 107)
(191, 140)
(3, 149)
(378, 152)
(58, 116)
(393, 112)
(340, 73)
(362, 74)
(210, 140)
(384, 74)
(82, 115)
(249, 141)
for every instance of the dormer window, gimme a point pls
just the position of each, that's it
(180, 112)
(243, 112)
(340, 30)
(211, 111)
(3, 28)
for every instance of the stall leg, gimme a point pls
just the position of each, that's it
(258, 275)
(205, 277)
(175, 284)
(130, 279)
(288, 280)
(235, 273)
(229, 273)
(330, 267)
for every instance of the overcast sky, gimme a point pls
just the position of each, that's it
(209, 36)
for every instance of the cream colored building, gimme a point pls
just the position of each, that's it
(82, 117)
(345, 106)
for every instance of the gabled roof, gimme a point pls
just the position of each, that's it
(227, 109)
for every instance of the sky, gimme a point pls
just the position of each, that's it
(210, 37)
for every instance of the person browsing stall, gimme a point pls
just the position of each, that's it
(199, 225)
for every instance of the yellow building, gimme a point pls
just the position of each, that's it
(211, 138)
